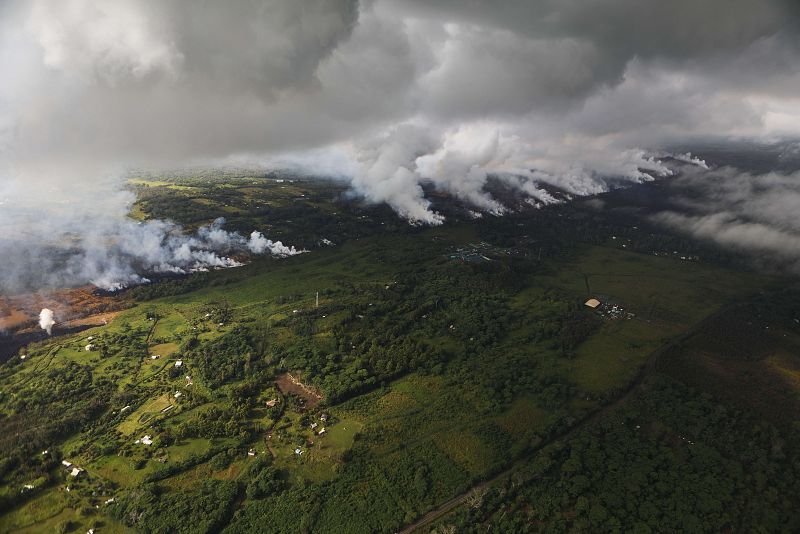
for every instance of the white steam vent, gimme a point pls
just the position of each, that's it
(46, 320)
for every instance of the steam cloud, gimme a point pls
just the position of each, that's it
(46, 320)
(116, 252)
(391, 95)
(751, 213)
(159, 247)
(258, 244)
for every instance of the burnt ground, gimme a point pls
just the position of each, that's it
(290, 384)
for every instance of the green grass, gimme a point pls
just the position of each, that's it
(170, 324)
(44, 509)
(193, 477)
(303, 275)
(340, 436)
(666, 296)
(610, 358)
(186, 448)
(145, 414)
(164, 349)
(522, 418)
(120, 470)
(321, 460)
(653, 287)
(465, 450)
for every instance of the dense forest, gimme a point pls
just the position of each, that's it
(673, 460)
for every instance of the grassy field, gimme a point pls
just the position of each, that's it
(143, 415)
(51, 511)
(757, 368)
(610, 358)
(655, 288)
(665, 296)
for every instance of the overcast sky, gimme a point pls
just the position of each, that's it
(389, 93)
(571, 88)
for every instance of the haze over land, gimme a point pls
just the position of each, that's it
(389, 95)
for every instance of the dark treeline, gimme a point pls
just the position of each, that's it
(672, 461)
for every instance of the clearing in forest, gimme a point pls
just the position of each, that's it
(290, 384)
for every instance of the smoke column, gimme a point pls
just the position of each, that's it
(46, 320)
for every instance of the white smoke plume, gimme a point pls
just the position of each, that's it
(392, 167)
(258, 244)
(113, 253)
(160, 247)
(688, 158)
(46, 320)
(406, 93)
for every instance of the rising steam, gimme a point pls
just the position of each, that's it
(46, 320)
(158, 247)
(113, 253)
(415, 94)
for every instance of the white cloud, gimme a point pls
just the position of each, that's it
(395, 93)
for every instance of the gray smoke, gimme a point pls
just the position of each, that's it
(115, 252)
(160, 247)
(389, 94)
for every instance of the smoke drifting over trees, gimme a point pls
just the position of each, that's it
(118, 252)
(390, 94)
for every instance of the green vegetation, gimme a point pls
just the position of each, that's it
(670, 461)
(228, 401)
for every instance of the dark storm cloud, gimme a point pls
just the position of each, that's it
(149, 82)
(617, 31)
(644, 28)
(391, 94)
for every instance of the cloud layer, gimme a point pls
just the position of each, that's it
(751, 213)
(396, 93)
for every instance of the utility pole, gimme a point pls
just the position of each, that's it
(317, 299)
